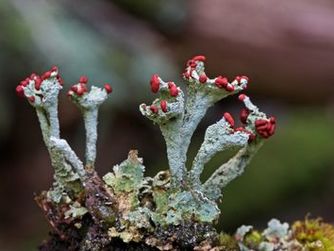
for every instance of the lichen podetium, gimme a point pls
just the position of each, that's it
(174, 210)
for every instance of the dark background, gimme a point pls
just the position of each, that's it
(285, 47)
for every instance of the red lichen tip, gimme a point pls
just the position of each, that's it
(155, 83)
(251, 138)
(244, 115)
(203, 78)
(108, 88)
(229, 88)
(228, 117)
(242, 97)
(163, 105)
(38, 82)
(186, 75)
(20, 91)
(272, 129)
(74, 88)
(199, 58)
(60, 79)
(191, 63)
(171, 84)
(79, 89)
(272, 120)
(154, 109)
(83, 80)
(238, 78)
(31, 99)
(244, 77)
(173, 90)
(260, 122)
(33, 76)
(265, 128)
(221, 82)
(46, 75)
(24, 82)
(54, 68)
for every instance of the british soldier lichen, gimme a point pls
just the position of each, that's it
(125, 203)
(178, 119)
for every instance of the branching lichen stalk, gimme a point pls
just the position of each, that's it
(44, 124)
(218, 137)
(64, 150)
(173, 143)
(230, 170)
(195, 110)
(168, 112)
(201, 96)
(52, 115)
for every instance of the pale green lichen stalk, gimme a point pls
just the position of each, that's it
(168, 113)
(88, 103)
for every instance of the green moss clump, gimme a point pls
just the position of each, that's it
(253, 239)
(227, 242)
(314, 234)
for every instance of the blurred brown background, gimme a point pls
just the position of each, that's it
(286, 47)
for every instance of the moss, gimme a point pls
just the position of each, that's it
(253, 239)
(227, 242)
(314, 234)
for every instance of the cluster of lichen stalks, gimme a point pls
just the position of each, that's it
(173, 210)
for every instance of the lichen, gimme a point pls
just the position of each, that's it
(174, 210)
(227, 242)
(178, 116)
